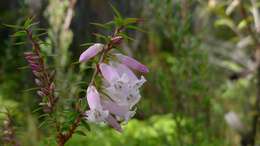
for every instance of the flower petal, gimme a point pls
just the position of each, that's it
(108, 72)
(114, 108)
(96, 116)
(132, 63)
(121, 111)
(91, 52)
(113, 123)
(123, 69)
(93, 98)
(138, 83)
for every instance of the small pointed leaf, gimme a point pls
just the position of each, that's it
(85, 124)
(80, 133)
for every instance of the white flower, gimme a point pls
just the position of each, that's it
(96, 112)
(122, 113)
(96, 115)
(123, 86)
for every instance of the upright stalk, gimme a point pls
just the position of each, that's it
(255, 120)
(249, 138)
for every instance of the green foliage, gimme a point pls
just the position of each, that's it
(157, 130)
(191, 48)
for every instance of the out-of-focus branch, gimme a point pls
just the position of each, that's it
(69, 14)
(256, 15)
(235, 123)
(9, 136)
(256, 108)
(249, 139)
(241, 74)
(249, 29)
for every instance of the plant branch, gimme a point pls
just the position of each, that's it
(63, 138)
(42, 74)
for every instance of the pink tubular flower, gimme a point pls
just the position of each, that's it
(93, 98)
(91, 52)
(121, 112)
(108, 72)
(132, 63)
(121, 69)
(122, 84)
(96, 113)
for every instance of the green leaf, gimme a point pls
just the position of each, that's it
(225, 22)
(19, 33)
(81, 82)
(135, 28)
(31, 89)
(42, 123)
(35, 23)
(45, 43)
(43, 115)
(130, 20)
(37, 109)
(118, 21)
(85, 125)
(42, 34)
(19, 43)
(117, 13)
(100, 25)
(110, 23)
(13, 26)
(80, 133)
(39, 29)
(27, 23)
(101, 36)
(23, 67)
(126, 36)
(86, 44)
(242, 24)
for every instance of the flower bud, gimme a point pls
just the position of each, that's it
(28, 53)
(91, 52)
(117, 40)
(6, 122)
(37, 74)
(52, 75)
(45, 91)
(42, 103)
(93, 98)
(132, 63)
(40, 93)
(52, 86)
(6, 132)
(35, 66)
(38, 82)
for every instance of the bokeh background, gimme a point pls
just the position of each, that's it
(201, 56)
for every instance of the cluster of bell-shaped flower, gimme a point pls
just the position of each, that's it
(119, 94)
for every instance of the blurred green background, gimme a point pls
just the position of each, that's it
(198, 52)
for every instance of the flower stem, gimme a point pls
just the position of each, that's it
(109, 46)
(63, 138)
